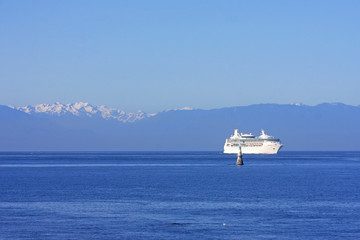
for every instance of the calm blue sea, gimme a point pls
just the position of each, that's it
(179, 195)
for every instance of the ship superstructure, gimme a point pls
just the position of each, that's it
(264, 144)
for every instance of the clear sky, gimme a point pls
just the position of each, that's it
(157, 55)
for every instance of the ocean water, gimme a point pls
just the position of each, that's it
(179, 195)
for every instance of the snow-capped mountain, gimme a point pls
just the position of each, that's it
(83, 127)
(83, 109)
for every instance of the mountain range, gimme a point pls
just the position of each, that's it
(82, 109)
(84, 127)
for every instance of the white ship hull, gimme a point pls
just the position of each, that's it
(249, 144)
(266, 148)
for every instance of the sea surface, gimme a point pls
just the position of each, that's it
(179, 195)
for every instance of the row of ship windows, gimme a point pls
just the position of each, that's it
(248, 145)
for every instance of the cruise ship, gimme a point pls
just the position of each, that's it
(264, 144)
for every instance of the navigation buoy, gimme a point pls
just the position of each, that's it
(239, 158)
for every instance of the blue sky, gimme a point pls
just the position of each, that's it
(156, 55)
